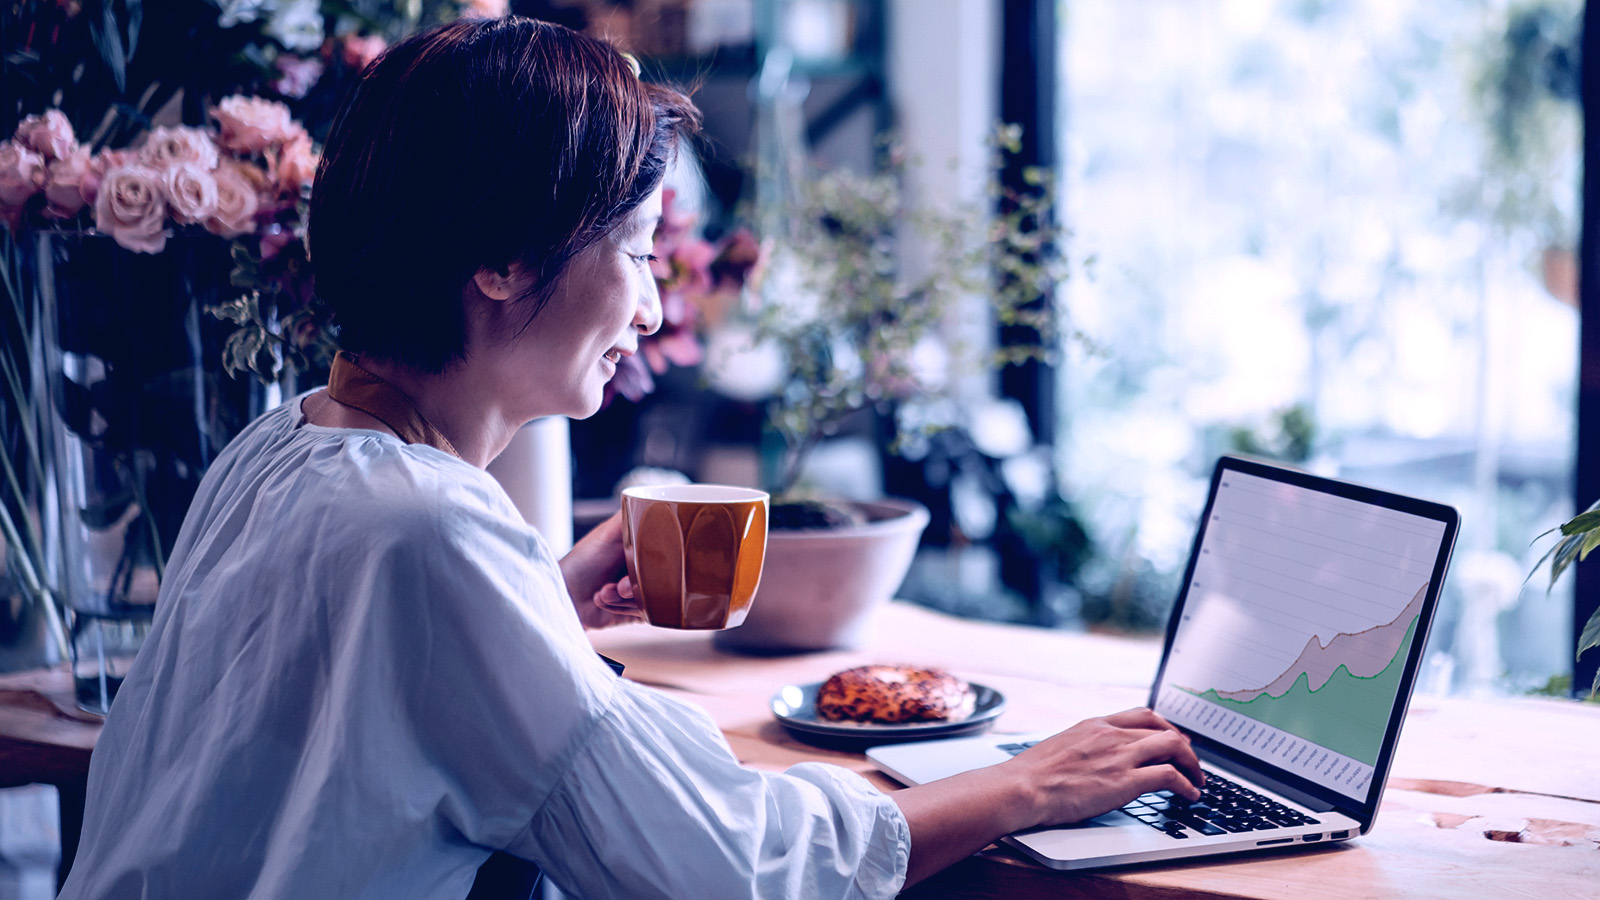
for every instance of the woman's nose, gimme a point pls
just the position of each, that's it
(647, 318)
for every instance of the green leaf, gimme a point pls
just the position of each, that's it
(1591, 634)
(106, 32)
(1583, 522)
(1564, 555)
(135, 10)
(1552, 556)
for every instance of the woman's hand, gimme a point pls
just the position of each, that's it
(1091, 768)
(1100, 764)
(614, 604)
(593, 570)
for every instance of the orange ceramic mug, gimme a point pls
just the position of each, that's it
(694, 552)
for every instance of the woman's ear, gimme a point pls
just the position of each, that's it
(494, 285)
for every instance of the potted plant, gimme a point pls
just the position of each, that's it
(1527, 91)
(1579, 536)
(860, 335)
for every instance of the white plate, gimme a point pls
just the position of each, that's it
(795, 706)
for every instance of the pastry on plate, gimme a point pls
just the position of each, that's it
(894, 695)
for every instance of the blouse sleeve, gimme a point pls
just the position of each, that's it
(656, 805)
(615, 789)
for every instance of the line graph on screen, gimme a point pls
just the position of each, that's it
(1336, 694)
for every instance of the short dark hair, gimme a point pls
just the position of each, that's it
(475, 145)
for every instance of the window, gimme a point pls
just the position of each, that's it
(1340, 234)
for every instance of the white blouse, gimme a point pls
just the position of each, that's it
(365, 673)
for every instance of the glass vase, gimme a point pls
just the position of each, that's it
(138, 407)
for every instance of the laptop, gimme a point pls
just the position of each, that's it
(1289, 661)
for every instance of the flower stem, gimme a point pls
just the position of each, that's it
(33, 585)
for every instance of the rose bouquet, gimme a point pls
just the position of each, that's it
(247, 176)
(245, 180)
(113, 367)
(154, 193)
(200, 118)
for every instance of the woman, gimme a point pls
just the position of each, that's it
(367, 673)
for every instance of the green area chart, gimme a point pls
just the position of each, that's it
(1346, 714)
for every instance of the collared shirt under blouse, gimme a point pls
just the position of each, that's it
(365, 673)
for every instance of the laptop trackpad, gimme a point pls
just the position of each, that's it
(1114, 819)
(1093, 841)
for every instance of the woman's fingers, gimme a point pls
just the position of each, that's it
(1100, 764)
(594, 561)
(1140, 717)
(1165, 742)
(1149, 779)
(1173, 748)
(611, 599)
(607, 607)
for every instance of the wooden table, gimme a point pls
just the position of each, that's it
(46, 739)
(1488, 798)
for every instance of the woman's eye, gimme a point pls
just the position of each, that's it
(646, 258)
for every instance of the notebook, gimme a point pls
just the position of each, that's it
(1289, 660)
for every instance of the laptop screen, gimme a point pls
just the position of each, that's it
(1293, 634)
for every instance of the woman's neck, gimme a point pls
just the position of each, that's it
(451, 401)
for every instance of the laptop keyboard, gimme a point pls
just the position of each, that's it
(1223, 807)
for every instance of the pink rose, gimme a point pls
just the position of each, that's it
(487, 9)
(296, 75)
(99, 165)
(237, 202)
(295, 165)
(267, 198)
(191, 193)
(132, 208)
(251, 124)
(63, 185)
(358, 51)
(167, 147)
(22, 175)
(49, 134)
